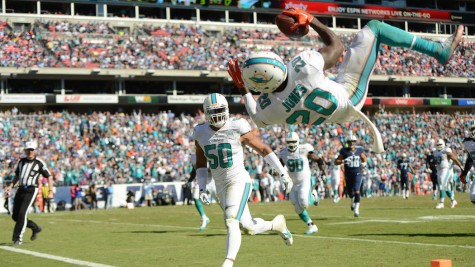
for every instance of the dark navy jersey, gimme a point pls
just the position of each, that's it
(403, 167)
(430, 160)
(352, 159)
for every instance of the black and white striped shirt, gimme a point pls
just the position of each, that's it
(28, 171)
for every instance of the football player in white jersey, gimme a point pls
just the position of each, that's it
(210, 188)
(298, 92)
(442, 156)
(469, 144)
(295, 157)
(335, 177)
(219, 145)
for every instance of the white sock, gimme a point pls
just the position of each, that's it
(256, 226)
(228, 263)
(357, 206)
(233, 242)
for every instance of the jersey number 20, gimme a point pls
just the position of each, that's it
(319, 101)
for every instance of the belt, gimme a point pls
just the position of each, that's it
(26, 186)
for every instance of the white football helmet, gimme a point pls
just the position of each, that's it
(351, 138)
(263, 72)
(216, 110)
(404, 155)
(471, 130)
(292, 141)
(440, 144)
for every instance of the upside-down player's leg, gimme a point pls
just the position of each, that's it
(362, 54)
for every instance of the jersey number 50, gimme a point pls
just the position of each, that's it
(223, 158)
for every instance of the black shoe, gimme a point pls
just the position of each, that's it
(35, 234)
(17, 243)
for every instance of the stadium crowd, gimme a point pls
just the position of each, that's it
(189, 47)
(103, 147)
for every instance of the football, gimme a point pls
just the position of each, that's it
(284, 23)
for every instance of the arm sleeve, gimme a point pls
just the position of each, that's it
(274, 162)
(251, 107)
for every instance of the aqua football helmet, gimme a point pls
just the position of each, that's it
(216, 110)
(263, 72)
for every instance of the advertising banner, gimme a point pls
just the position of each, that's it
(402, 102)
(143, 99)
(380, 12)
(87, 99)
(186, 99)
(22, 99)
(440, 102)
(466, 102)
(368, 101)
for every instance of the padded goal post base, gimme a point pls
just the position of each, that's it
(441, 263)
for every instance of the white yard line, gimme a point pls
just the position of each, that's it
(304, 236)
(53, 257)
(385, 241)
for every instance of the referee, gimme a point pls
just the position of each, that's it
(27, 175)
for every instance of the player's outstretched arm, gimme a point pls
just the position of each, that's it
(333, 48)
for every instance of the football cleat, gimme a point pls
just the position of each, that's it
(312, 229)
(440, 206)
(280, 226)
(357, 213)
(453, 204)
(449, 45)
(17, 243)
(336, 199)
(204, 223)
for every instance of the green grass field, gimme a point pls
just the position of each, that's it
(389, 232)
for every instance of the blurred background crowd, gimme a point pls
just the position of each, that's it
(101, 147)
(186, 47)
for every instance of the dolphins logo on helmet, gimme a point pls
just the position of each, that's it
(264, 72)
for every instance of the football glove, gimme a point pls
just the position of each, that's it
(302, 18)
(235, 73)
(204, 197)
(463, 178)
(286, 183)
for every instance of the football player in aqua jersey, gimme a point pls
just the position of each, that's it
(469, 145)
(403, 167)
(219, 145)
(296, 157)
(210, 188)
(298, 92)
(354, 160)
(443, 155)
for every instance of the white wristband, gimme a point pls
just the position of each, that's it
(202, 176)
(274, 162)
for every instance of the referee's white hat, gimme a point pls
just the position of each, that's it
(31, 145)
